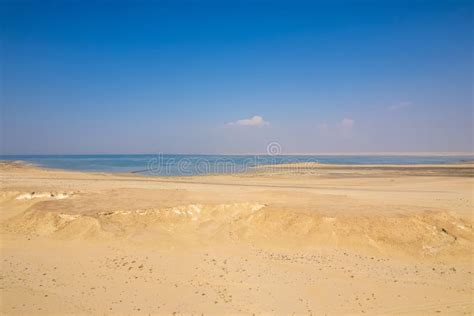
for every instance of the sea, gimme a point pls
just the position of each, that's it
(188, 165)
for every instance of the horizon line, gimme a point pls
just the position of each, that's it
(368, 153)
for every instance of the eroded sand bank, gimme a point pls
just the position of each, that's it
(311, 240)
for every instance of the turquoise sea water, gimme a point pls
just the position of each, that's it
(179, 165)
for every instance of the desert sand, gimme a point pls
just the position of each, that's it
(313, 239)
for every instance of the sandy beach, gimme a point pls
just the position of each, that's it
(313, 239)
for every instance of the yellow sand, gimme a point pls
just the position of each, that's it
(312, 240)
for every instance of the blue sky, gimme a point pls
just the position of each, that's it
(230, 77)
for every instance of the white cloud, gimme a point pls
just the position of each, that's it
(347, 123)
(400, 106)
(253, 121)
(346, 126)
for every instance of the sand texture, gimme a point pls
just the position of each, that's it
(304, 239)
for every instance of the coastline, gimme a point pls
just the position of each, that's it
(231, 167)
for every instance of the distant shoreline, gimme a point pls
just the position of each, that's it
(193, 165)
(459, 169)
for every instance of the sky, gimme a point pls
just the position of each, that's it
(231, 77)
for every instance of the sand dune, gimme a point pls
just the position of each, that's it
(422, 234)
(274, 243)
